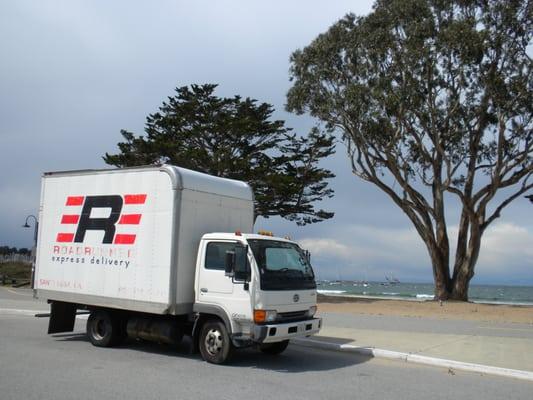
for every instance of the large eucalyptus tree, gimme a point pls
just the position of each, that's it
(434, 100)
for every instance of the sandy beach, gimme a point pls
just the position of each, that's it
(427, 309)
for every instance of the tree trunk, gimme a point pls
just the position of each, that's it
(464, 265)
(464, 272)
(456, 287)
(441, 290)
(452, 289)
(441, 273)
(460, 287)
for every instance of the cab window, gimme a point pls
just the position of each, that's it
(215, 259)
(215, 256)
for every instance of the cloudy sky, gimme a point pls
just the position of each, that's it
(73, 73)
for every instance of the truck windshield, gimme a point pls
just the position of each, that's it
(282, 265)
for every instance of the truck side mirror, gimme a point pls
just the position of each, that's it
(229, 265)
(241, 267)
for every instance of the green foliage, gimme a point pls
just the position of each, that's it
(6, 250)
(415, 68)
(15, 270)
(434, 93)
(236, 138)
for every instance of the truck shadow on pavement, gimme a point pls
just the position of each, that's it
(296, 359)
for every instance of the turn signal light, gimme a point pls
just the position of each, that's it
(262, 316)
(259, 316)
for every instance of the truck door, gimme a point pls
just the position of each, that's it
(213, 278)
(214, 287)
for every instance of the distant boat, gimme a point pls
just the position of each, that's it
(391, 280)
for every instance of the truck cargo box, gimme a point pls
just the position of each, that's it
(128, 238)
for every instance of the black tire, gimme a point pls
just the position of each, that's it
(121, 322)
(274, 348)
(214, 342)
(105, 329)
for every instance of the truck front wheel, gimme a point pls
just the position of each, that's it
(274, 348)
(214, 342)
(104, 329)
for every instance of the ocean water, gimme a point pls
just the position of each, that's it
(520, 295)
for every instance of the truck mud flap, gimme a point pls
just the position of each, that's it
(62, 317)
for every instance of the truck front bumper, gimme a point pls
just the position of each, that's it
(278, 332)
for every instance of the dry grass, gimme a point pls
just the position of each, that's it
(15, 270)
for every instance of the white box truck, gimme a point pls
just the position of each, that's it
(160, 252)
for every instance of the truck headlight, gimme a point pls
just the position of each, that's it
(262, 316)
(312, 311)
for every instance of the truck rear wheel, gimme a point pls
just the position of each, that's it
(104, 329)
(274, 348)
(215, 343)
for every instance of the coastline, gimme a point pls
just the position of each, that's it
(482, 312)
(419, 299)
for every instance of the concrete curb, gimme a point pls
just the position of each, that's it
(415, 358)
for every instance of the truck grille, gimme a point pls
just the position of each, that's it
(292, 316)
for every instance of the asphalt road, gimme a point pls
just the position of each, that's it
(34, 365)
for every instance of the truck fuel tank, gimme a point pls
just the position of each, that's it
(155, 330)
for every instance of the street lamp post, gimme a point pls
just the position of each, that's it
(34, 248)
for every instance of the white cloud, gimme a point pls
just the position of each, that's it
(506, 245)
(368, 243)
(373, 251)
(327, 247)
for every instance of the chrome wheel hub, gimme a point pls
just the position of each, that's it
(99, 329)
(213, 342)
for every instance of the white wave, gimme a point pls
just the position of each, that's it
(508, 303)
(331, 291)
(390, 294)
(425, 296)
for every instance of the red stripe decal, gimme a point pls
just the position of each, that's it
(75, 200)
(65, 237)
(134, 198)
(124, 239)
(70, 219)
(130, 219)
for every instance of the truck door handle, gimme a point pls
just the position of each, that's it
(203, 290)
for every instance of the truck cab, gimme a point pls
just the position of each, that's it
(262, 287)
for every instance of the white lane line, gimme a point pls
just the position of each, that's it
(17, 293)
(16, 311)
(31, 313)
